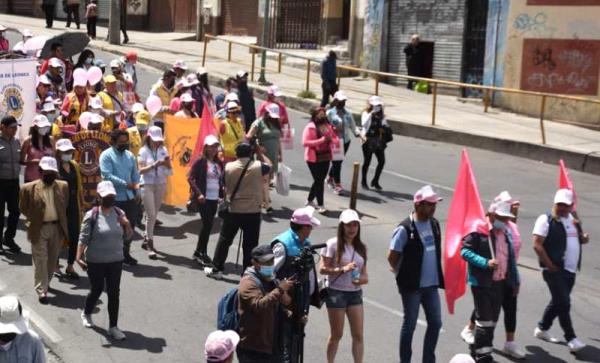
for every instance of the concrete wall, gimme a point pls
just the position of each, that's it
(546, 48)
(333, 22)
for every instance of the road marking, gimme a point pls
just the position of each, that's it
(420, 181)
(395, 312)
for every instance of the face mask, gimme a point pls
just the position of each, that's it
(48, 179)
(51, 117)
(142, 129)
(44, 131)
(89, 61)
(123, 147)
(376, 108)
(108, 202)
(66, 157)
(267, 271)
(499, 224)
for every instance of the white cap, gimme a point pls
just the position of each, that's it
(375, 101)
(242, 73)
(48, 163)
(27, 33)
(48, 107)
(211, 140)
(201, 70)
(231, 105)
(349, 215)
(192, 79)
(137, 107)
(426, 194)
(502, 197)
(340, 96)
(96, 119)
(180, 64)
(564, 196)
(273, 110)
(56, 63)
(105, 188)
(116, 63)
(3, 28)
(232, 96)
(274, 90)
(186, 97)
(41, 121)
(155, 133)
(44, 79)
(96, 103)
(11, 313)
(64, 145)
(502, 209)
(183, 83)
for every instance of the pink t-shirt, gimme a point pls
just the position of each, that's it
(342, 282)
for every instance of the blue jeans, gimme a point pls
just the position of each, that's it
(411, 300)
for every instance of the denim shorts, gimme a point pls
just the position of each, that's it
(337, 299)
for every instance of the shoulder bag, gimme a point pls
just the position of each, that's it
(223, 210)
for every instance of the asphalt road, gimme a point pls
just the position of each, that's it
(168, 306)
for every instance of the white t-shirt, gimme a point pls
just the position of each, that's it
(342, 282)
(147, 157)
(213, 174)
(571, 257)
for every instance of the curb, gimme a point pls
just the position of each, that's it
(588, 163)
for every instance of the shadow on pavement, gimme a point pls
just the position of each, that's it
(542, 355)
(395, 195)
(528, 356)
(588, 354)
(148, 271)
(65, 300)
(178, 232)
(177, 260)
(20, 259)
(134, 341)
(284, 213)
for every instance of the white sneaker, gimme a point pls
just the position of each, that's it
(86, 320)
(116, 333)
(213, 272)
(544, 335)
(468, 335)
(575, 345)
(512, 349)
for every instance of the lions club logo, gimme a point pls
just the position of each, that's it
(12, 101)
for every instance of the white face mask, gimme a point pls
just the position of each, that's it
(44, 131)
(67, 157)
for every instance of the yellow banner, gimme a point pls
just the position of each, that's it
(180, 140)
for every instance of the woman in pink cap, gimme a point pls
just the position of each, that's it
(36, 146)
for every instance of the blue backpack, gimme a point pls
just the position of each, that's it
(227, 313)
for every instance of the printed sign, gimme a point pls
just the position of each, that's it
(88, 147)
(17, 92)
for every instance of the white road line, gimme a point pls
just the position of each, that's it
(420, 181)
(394, 312)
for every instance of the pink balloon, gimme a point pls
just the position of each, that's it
(84, 119)
(94, 75)
(153, 104)
(80, 77)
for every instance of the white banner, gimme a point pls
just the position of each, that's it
(17, 92)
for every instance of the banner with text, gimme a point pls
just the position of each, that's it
(17, 92)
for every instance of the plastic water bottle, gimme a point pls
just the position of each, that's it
(355, 275)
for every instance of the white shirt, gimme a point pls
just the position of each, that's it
(365, 121)
(571, 257)
(158, 175)
(213, 174)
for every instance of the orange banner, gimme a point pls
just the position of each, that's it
(180, 140)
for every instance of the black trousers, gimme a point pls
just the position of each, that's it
(367, 156)
(73, 227)
(73, 14)
(250, 356)
(335, 171)
(560, 284)
(329, 89)
(249, 223)
(207, 214)
(9, 199)
(319, 173)
(488, 301)
(100, 274)
(509, 308)
(49, 12)
(132, 212)
(91, 26)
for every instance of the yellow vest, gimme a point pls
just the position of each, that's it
(164, 95)
(73, 117)
(108, 104)
(234, 133)
(135, 140)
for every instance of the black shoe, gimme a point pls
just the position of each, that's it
(43, 299)
(2, 252)
(376, 185)
(126, 40)
(203, 259)
(12, 246)
(128, 260)
(158, 223)
(364, 185)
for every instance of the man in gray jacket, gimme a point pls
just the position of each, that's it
(10, 149)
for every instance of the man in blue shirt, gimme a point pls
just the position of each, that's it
(415, 257)
(118, 165)
(329, 77)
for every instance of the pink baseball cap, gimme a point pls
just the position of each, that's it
(220, 345)
(304, 216)
(426, 194)
(274, 90)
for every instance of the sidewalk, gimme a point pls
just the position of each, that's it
(408, 112)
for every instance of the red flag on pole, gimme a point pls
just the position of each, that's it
(564, 182)
(207, 127)
(466, 215)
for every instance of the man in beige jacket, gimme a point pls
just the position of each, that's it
(44, 203)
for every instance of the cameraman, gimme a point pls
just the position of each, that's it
(287, 248)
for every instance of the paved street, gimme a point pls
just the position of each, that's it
(168, 306)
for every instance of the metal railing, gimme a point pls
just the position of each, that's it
(379, 76)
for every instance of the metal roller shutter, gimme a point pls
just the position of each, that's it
(240, 17)
(22, 7)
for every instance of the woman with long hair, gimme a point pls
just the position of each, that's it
(344, 262)
(373, 124)
(206, 179)
(154, 164)
(36, 146)
(86, 59)
(318, 138)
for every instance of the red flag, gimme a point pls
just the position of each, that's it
(207, 127)
(564, 182)
(466, 215)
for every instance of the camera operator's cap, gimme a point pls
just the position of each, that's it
(349, 215)
(105, 188)
(44, 80)
(232, 97)
(41, 121)
(274, 90)
(137, 107)
(232, 106)
(110, 79)
(155, 133)
(211, 140)
(11, 316)
(262, 253)
(180, 64)
(375, 101)
(48, 163)
(304, 216)
(242, 73)
(55, 63)
(273, 110)
(426, 194)
(564, 196)
(340, 96)
(186, 97)
(502, 209)
(64, 145)
(96, 103)
(220, 345)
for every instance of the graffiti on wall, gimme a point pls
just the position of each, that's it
(569, 66)
(373, 29)
(536, 25)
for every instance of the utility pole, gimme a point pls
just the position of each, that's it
(114, 22)
(199, 20)
(265, 35)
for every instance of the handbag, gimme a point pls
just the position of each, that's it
(223, 209)
(324, 285)
(386, 134)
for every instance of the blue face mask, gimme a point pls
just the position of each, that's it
(89, 60)
(267, 271)
(499, 224)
